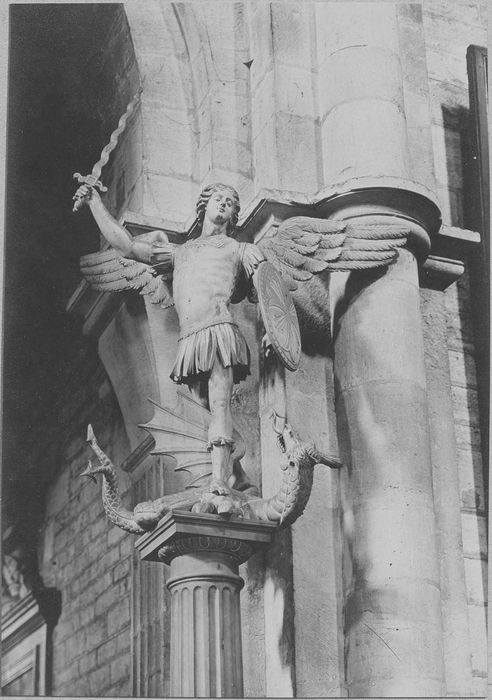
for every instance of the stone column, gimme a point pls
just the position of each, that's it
(204, 553)
(393, 635)
(393, 627)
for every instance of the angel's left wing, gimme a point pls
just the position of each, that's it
(304, 246)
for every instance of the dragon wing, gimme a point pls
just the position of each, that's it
(305, 246)
(108, 271)
(182, 433)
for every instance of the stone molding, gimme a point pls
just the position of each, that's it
(439, 273)
(241, 551)
(20, 621)
(182, 532)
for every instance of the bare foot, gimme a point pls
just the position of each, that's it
(219, 487)
(228, 506)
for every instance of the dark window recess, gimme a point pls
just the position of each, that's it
(477, 218)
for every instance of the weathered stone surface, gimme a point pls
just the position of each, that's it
(447, 502)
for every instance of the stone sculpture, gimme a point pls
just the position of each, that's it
(214, 270)
(282, 508)
(12, 577)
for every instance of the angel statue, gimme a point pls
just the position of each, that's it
(214, 270)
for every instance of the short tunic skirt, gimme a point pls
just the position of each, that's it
(197, 353)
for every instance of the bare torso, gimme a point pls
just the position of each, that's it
(204, 280)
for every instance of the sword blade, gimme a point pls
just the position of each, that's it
(93, 179)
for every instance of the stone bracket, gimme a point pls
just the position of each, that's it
(445, 264)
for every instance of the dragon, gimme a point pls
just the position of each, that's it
(289, 502)
(282, 508)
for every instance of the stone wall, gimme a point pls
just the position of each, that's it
(450, 27)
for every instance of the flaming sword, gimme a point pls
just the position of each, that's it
(93, 179)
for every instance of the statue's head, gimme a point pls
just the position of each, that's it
(208, 192)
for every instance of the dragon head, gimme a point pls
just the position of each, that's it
(105, 465)
(299, 453)
(286, 438)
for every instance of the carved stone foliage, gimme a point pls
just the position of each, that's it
(240, 551)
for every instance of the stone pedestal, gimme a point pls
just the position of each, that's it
(204, 553)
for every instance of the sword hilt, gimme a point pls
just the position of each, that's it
(91, 181)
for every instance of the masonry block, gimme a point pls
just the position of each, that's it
(169, 197)
(263, 103)
(477, 616)
(475, 570)
(291, 27)
(119, 616)
(474, 535)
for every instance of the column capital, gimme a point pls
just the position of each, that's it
(182, 532)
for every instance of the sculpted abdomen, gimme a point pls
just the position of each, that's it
(204, 280)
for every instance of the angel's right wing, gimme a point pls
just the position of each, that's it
(108, 271)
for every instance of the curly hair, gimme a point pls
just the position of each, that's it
(204, 197)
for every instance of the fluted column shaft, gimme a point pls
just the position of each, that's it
(206, 656)
(204, 552)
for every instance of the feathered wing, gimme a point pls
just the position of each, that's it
(108, 271)
(304, 246)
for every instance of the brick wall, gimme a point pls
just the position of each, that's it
(83, 555)
(473, 506)
(450, 27)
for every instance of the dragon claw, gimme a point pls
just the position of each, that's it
(203, 507)
(225, 505)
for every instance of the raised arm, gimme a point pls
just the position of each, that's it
(117, 236)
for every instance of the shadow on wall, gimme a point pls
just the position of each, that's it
(473, 291)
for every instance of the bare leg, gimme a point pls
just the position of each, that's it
(220, 387)
(199, 391)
